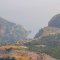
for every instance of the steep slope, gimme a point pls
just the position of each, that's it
(10, 32)
(50, 35)
(47, 31)
(52, 28)
(47, 40)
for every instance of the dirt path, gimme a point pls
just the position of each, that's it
(35, 56)
(47, 57)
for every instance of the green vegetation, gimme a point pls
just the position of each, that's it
(52, 48)
(8, 50)
(51, 40)
(8, 58)
(53, 51)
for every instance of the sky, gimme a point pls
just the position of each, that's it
(31, 14)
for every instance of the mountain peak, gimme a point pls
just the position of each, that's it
(55, 21)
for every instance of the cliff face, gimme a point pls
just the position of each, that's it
(10, 32)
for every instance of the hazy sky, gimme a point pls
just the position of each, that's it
(32, 14)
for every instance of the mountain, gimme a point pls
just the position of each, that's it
(50, 35)
(55, 21)
(10, 32)
(47, 40)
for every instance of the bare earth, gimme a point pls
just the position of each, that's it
(35, 56)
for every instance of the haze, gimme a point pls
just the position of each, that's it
(32, 14)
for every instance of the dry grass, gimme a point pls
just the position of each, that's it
(17, 51)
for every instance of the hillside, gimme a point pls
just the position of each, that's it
(50, 35)
(46, 31)
(10, 32)
(52, 28)
(19, 52)
(47, 40)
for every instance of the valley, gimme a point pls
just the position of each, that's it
(14, 44)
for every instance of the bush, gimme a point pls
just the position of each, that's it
(8, 58)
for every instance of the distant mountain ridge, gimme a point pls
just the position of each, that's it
(10, 32)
